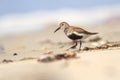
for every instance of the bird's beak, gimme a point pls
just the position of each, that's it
(57, 29)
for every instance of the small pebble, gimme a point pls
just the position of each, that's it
(71, 55)
(65, 55)
(61, 56)
(15, 54)
(46, 59)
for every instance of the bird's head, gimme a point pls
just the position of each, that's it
(62, 25)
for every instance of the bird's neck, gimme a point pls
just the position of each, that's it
(66, 30)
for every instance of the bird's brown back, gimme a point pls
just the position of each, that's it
(80, 30)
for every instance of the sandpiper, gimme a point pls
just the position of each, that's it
(76, 34)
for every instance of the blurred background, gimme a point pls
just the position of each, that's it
(18, 16)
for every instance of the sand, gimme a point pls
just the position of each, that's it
(19, 56)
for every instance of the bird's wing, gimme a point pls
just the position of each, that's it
(80, 30)
(76, 30)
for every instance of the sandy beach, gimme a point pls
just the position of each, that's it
(21, 53)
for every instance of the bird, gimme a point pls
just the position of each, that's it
(74, 33)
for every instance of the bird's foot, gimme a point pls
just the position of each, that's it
(73, 47)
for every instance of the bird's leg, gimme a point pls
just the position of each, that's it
(80, 45)
(74, 46)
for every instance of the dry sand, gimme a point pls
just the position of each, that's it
(22, 52)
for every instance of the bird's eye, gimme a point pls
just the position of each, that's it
(62, 24)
